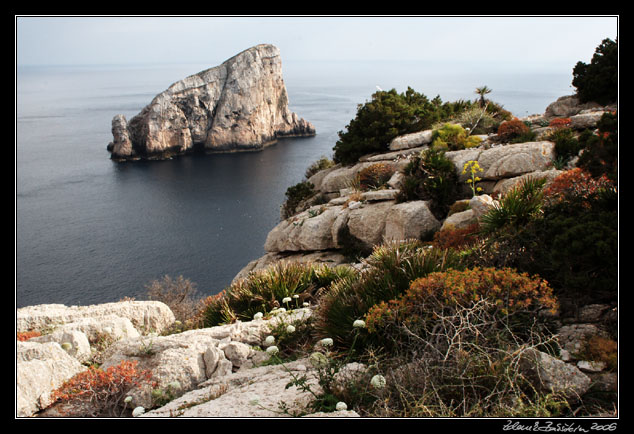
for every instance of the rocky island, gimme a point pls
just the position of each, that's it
(240, 105)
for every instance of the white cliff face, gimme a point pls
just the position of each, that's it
(239, 105)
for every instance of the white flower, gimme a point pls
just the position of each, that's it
(138, 411)
(258, 315)
(270, 340)
(281, 310)
(358, 324)
(272, 350)
(286, 300)
(326, 342)
(67, 346)
(305, 304)
(318, 360)
(128, 399)
(378, 381)
(341, 406)
(295, 296)
(290, 329)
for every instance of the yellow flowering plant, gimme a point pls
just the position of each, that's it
(472, 167)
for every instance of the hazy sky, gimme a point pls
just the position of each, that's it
(90, 40)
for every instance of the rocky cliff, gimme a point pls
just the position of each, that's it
(239, 105)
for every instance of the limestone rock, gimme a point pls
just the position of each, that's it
(74, 342)
(241, 104)
(553, 375)
(459, 220)
(567, 106)
(40, 369)
(481, 204)
(304, 231)
(256, 392)
(412, 140)
(409, 220)
(144, 315)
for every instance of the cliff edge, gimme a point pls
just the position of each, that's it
(239, 105)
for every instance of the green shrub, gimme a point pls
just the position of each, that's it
(452, 137)
(600, 151)
(295, 195)
(321, 164)
(391, 268)
(264, 290)
(390, 114)
(599, 81)
(431, 176)
(516, 208)
(566, 144)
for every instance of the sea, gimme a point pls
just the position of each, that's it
(89, 230)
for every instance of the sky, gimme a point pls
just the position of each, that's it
(122, 40)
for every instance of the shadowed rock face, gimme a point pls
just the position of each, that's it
(237, 106)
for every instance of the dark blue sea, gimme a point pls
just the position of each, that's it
(89, 230)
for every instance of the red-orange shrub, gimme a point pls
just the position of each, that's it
(442, 292)
(456, 238)
(25, 336)
(96, 392)
(560, 123)
(509, 130)
(575, 183)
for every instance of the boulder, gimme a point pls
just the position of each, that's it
(412, 140)
(552, 375)
(567, 106)
(241, 104)
(409, 220)
(304, 232)
(74, 342)
(459, 220)
(481, 204)
(504, 185)
(40, 369)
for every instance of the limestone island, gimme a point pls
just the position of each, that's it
(240, 105)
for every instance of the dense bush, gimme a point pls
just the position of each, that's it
(456, 238)
(390, 269)
(264, 290)
(599, 81)
(443, 292)
(375, 176)
(390, 114)
(455, 339)
(600, 151)
(567, 145)
(431, 176)
(295, 195)
(572, 241)
(453, 137)
(514, 131)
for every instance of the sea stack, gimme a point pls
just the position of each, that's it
(240, 105)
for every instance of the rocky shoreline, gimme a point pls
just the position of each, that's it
(222, 371)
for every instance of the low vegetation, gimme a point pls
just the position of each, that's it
(441, 326)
